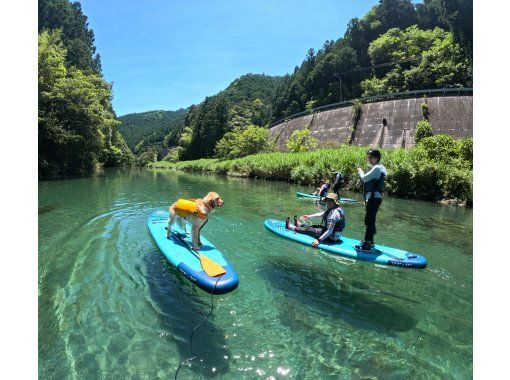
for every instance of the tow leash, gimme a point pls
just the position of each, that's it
(196, 328)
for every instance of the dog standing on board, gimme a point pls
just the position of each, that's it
(196, 209)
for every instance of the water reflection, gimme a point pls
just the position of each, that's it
(181, 307)
(316, 289)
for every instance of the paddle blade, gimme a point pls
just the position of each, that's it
(211, 267)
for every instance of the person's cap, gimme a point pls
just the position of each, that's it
(332, 196)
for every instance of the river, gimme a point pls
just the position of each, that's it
(111, 307)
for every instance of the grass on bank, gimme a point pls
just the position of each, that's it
(438, 168)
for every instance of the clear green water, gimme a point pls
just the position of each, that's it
(110, 306)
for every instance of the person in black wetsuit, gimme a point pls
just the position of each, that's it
(373, 184)
(337, 183)
(331, 227)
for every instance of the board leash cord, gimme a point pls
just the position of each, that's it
(197, 327)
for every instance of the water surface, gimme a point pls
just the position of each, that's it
(111, 307)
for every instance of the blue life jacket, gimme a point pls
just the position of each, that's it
(339, 225)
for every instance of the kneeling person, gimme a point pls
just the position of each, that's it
(331, 227)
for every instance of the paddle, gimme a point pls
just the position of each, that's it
(211, 267)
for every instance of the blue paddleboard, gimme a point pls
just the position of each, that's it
(180, 256)
(346, 247)
(311, 196)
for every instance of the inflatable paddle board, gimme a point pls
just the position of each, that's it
(311, 196)
(347, 248)
(177, 251)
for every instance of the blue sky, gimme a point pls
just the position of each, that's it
(168, 54)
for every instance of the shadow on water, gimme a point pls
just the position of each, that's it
(180, 310)
(316, 288)
(47, 208)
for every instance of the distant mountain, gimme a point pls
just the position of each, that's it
(149, 126)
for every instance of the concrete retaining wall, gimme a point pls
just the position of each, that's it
(451, 115)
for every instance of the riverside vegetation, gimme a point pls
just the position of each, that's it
(438, 168)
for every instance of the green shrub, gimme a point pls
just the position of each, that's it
(425, 110)
(423, 130)
(310, 105)
(458, 184)
(465, 147)
(243, 142)
(440, 148)
(427, 181)
(300, 141)
(400, 181)
(173, 154)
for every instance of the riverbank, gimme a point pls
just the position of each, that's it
(440, 170)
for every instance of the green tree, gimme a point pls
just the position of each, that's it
(77, 127)
(301, 141)
(423, 129)
(243, 142)
(76, 36)
(185, 139)
(442, 62)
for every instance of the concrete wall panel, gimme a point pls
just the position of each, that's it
(451, 115)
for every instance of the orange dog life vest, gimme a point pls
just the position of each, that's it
(185, 207)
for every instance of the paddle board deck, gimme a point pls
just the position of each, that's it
(346, 247)
(180, 256)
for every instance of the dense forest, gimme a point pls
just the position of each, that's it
(397, 46)
(145, 132)
(77, 126)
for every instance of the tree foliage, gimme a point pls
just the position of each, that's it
(151, 126)
(442, 61)
(76, 36)
(246, 101)
(243, 142)
(301, 141)
(77, 127)
(423, 129)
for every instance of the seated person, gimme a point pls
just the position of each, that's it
(323, 188)
(331, 227)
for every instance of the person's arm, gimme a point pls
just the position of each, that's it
(319, 214)
(373, 173)
(326, 234)
(330, 228)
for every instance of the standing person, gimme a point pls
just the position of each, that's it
(373, 184)
(338, 182)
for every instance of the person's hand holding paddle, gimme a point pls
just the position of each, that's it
(315, 243)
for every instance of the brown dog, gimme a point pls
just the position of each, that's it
(196, 209)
